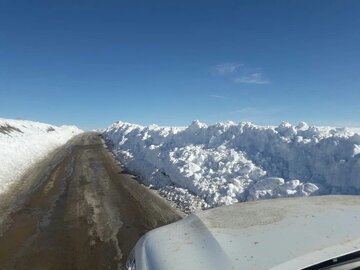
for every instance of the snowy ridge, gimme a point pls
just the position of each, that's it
(22, 143)
(205, 166)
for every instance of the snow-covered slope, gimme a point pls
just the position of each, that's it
(22, 143)
(206, 166)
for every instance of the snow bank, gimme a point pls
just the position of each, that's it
(205, 166)
(22, 143)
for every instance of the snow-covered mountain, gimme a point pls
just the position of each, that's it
(205, 166)
(22, 143)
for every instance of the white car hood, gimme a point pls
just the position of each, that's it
(272, 234)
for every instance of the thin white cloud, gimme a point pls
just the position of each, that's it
(218, 96)
(239, 73)
(253, 78)
(226, 68)
(245, 110)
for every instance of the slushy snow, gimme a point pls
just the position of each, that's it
(23, 143)
(204, 166)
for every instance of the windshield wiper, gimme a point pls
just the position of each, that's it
(346, 262)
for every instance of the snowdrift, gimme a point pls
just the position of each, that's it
(22, 143)
(205, 166)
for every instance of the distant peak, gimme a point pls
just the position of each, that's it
(197, 124)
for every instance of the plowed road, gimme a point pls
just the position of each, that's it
(77, 210)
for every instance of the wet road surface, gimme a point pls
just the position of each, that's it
(77, 210)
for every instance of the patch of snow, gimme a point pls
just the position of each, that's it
(205, 166)
(23, 143)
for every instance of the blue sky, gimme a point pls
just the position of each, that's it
(91, 62)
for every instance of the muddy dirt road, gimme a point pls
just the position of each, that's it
(77, 210)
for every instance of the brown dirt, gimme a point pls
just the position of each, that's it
(80, 212)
